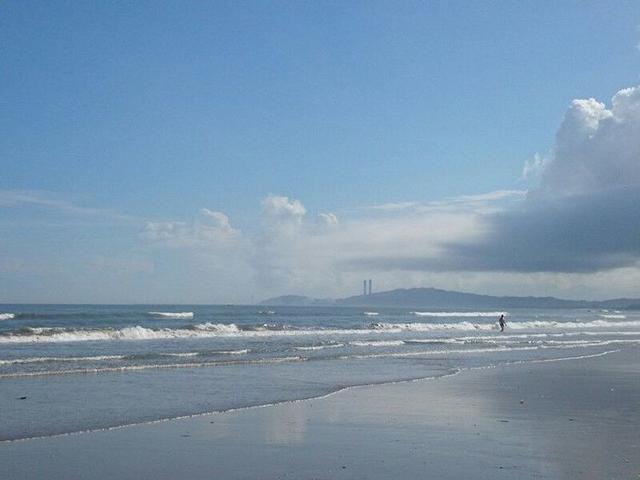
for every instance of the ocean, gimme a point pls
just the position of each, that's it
(73, 368)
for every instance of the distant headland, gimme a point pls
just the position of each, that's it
(437, 298)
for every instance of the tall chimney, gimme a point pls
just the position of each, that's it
(369, 286)
(365, 287)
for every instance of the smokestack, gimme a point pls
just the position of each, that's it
(369, 286)
(364, 283)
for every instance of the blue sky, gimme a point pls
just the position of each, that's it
(121, 115)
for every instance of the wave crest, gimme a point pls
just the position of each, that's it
(172, 314)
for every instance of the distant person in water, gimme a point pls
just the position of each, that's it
(502, 322)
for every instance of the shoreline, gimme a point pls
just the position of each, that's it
(554, 418)
(456, 371)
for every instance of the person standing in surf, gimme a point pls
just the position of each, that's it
(502, 322)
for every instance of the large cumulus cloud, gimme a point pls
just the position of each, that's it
(596, 148)
(585, 214)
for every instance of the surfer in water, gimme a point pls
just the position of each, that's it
(502, 322)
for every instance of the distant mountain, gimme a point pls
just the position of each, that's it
(436, 298)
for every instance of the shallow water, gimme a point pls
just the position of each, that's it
(90, 367)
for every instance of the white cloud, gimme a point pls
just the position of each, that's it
(479, 203)
(309, 260)
(281, 209)
(49, 201)
(483, 202)
(394, 206)
(220, 221)
(534, 167)
(290, 255)
(596, 147)
(329, 219)
(210, 229)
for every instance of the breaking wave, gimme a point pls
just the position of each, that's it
(426, 327)
(531, 325)
(7, 316)
(204, 330)
(573, 325)
(172, 314)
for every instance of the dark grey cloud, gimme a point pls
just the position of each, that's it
(581, 233)
(577, 234)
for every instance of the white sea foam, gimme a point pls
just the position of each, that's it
(377, 343)
(613, 316)
(7, 316)
(172, 314)
(96, 358)
(133, 368)
(497, 349)
(573, 325)
(205, 330)
(319, 347)
(527, 325)
(427, 327)
(442, 352)
(371, 314)
(459, 314)
(436, 341)
(218, 328)
(46, 335)
(219, 352)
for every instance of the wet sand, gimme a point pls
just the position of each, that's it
(557, 420)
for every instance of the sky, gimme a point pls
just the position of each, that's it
(226, 152)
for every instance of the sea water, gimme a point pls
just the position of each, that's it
(73, 368)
